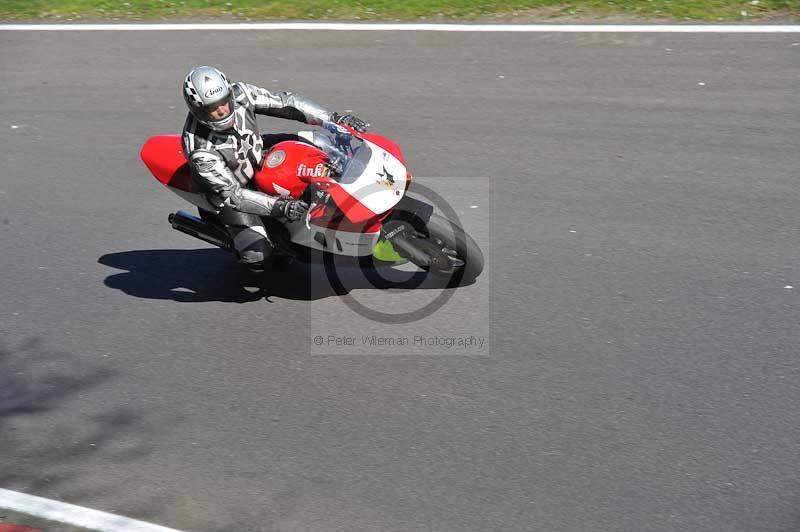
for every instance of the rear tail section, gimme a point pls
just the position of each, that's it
(163, 156)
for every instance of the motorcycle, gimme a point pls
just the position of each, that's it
(356, 185)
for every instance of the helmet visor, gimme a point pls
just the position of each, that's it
(216, 111)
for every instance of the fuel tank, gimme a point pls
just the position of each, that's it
(285, 166)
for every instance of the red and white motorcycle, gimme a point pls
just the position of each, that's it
(356, 185)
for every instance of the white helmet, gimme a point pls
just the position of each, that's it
(204, 89)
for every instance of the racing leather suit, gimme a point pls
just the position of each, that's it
(224, 162)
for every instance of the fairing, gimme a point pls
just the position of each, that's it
(163, 156)
(370, 181)
(371, 174)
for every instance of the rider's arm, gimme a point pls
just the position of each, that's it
(223, 187)
(284, 105)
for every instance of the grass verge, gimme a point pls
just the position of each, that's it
(408, 10)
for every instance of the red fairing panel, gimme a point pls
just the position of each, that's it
(163, 156)
(355, 211)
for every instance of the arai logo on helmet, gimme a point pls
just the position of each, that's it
(213, 91)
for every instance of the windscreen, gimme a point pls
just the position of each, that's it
(347, 153)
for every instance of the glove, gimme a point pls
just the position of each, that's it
(291, 209)
(350, 120)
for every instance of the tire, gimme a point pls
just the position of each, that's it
(443, 235)
(442, 238)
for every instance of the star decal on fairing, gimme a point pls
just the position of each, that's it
(386, 179)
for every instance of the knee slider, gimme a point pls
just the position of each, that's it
(252, 256)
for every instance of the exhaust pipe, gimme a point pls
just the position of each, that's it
(191, 225)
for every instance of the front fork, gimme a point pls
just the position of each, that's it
(400, 231)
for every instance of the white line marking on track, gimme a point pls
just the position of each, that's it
(74, 515)
(342, 26)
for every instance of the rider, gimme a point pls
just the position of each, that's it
(221, 141)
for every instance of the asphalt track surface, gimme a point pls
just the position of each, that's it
(641, 371)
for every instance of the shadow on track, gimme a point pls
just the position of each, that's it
(202, 275)
(53, 441)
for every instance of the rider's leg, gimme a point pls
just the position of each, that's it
(249, 238)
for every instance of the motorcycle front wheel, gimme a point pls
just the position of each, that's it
(453, 254)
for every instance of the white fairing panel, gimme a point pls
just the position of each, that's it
(380, 187)
(383, 182)
(331, 240)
